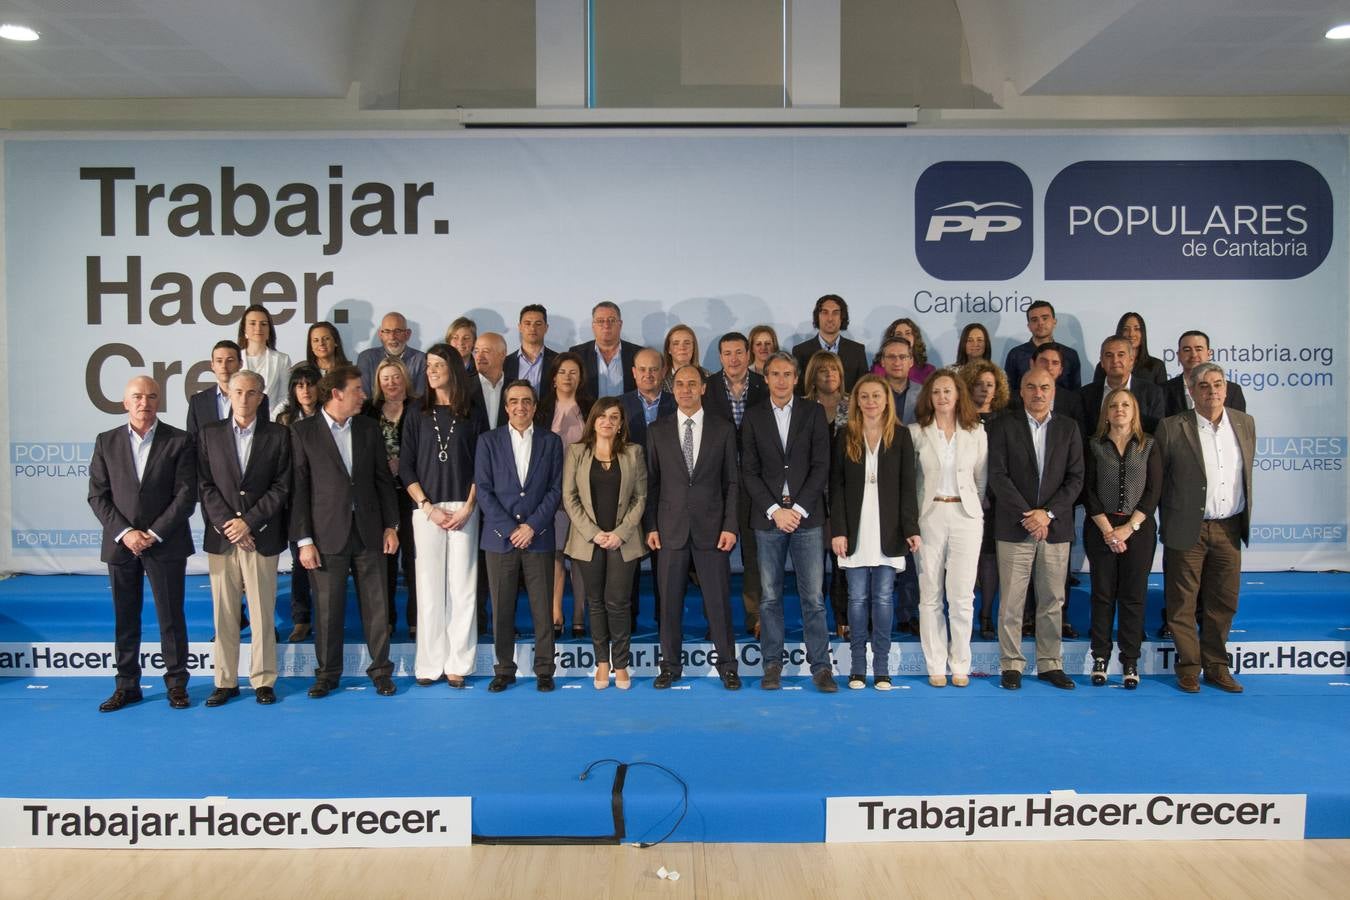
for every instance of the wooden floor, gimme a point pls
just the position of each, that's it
(1218, 869)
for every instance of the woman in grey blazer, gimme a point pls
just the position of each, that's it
(605, 493)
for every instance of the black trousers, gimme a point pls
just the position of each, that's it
(302, 601)
(505, 572)
(330, 608)
(714, 578)
(607, 577)
(128, 590)
(407, 553)
(1119, 588)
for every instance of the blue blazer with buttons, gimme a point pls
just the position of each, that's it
(506, 502)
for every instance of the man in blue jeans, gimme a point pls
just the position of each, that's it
(785, 465)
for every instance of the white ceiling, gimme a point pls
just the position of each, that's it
(319, 48)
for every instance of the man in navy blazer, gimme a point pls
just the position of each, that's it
(1035, 475)
(142, 487)
(691, 518)
(244, 474)
(213, 404)
(785, 464)
(518, 471)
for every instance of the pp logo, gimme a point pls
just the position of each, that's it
(973, 221)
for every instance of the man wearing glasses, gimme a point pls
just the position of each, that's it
(394, 333)
(897, 357)
(608, 359)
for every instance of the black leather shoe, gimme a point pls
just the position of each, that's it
(222, 695)
(178, 698)
(1056, 678)
(987, 632)
(1131, 679)
(1098, 672)
(1069, 632)
(824, 682)
(119, 699)
(1165, 631)
(1028, 629)
(265, 696)
(543, 683)
(384, 686)
(773, 678)
(731, 681)
(664, 680)
(1011, 680)
(500, 683)
(320, 689)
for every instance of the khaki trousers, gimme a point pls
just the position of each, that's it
(234, 573)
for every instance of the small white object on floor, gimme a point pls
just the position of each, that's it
(667, 874)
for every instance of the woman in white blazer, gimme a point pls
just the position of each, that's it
(604, 493)
(258, 340)
(953, 458)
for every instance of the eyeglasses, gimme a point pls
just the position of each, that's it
(610, 321)
(893, 357)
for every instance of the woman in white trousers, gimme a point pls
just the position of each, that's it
(953, 456)
(436, 465)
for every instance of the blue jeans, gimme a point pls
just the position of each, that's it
(870, 588)
(807, 546)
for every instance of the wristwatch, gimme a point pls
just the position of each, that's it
(1050, 515)
(1134, 526)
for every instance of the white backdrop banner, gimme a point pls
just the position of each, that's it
(132, 255)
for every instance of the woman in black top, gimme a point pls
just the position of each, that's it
(391, 402)
(439, 441)
(302, 401)
(1123, 480)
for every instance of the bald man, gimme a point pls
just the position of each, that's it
(142, 488)
(393, 344)
(486, 388)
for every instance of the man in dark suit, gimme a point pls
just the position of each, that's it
(1206, 518)
(1050, 356)
(785, 463)
(344, 513)
(1117, 361)
(897, 358)
(244, 474)
(532, 361)
(1193, 349)
(607, 361)
(142, 487)
(518, 471)
(487, 388)
(730, 394)
(213, 404)
(641, 407)
(691, 518)
(1035, 475)
(829, 318)
(1041, 322)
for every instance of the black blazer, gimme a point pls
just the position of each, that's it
(895, 481)
(1013, 478)
(478, 403)
(716, 403)
(637, 420)
(627, 354)
(805, 465)
(1152, 370)
(1174, 395)
(202, 410)
(160, 502)
(1067, 403)
(258, 495)
(1149, 395)
(851, 353)
(325, 499)
(511, 368)
(684, 508)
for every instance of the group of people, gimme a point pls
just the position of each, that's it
(474, 469)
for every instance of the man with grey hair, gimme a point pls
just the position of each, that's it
(487, 389)
(393, 344)
(1206, 508)
(244, 481)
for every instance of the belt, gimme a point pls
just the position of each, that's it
(946, 499)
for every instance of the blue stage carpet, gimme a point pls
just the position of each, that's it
(759, 765)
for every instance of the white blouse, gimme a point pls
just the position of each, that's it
(275, 369)
(867, 550)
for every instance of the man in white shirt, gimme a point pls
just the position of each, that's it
(1206, 510)
(488, 388)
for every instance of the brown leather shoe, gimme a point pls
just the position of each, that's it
(1223, 680)
(1189, 683)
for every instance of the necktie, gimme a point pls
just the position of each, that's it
(688, 446)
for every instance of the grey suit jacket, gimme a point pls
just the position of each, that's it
(1184, 481)
(576, 498)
